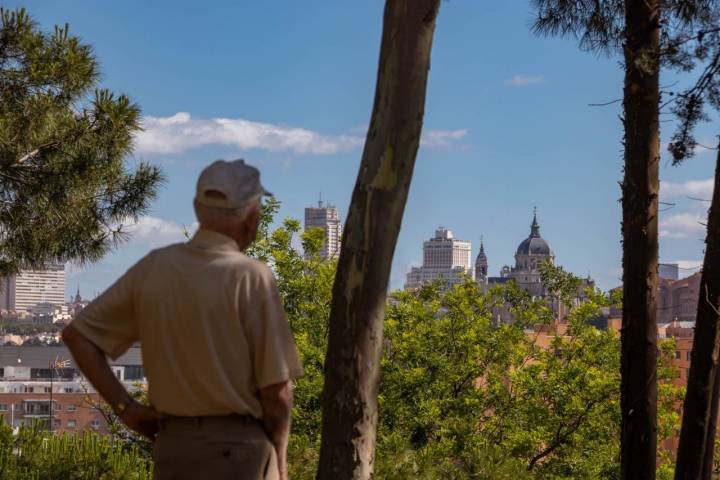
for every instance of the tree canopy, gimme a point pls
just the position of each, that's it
(65, 187)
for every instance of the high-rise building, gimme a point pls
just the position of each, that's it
(31, 287)
(444, 258)
(326, 216)
(669, 271)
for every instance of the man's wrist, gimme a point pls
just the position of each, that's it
(121, 406)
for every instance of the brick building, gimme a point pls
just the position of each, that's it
(38, 384)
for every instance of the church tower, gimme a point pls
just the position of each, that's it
(481, 264)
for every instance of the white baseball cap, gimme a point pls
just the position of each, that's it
(238, 183)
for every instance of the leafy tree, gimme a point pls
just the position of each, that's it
(461, 397)
(65, 190)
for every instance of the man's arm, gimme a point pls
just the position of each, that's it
(92, 362)
(276, 403)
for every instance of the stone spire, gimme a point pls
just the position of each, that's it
(535, 227)
(481, 263)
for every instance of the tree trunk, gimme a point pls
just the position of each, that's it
(640, 240)
(708, 462)
(700, 409)
(374, 217)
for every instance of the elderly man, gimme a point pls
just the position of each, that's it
(217, 349)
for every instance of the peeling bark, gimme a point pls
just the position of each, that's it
(373, 224)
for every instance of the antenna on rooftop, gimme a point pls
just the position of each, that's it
(320, 202)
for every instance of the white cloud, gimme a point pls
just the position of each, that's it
(682, 225)
(522, 80)
(441, 138)
(155, 232)
(692, 188)
(181, 132)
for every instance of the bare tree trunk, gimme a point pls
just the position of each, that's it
(640, 240)
(697, 435)
(368, 244)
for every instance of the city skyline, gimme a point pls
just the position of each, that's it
(506, 124)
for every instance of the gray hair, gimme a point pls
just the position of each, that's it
(216, 215)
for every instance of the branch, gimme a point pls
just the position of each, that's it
(697, 199)
(605, 104)
(561, 439)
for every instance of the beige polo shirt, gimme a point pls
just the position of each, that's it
(210, 323)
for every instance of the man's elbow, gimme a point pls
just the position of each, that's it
(71, 337)
(277, 400)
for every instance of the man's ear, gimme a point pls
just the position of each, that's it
(253, 216)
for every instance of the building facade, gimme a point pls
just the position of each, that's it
(669, 271)
(325, 216)
(678, 299)
(29, 288)
(41, 385)
(444, 258)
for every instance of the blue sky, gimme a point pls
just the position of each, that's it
(289, 87)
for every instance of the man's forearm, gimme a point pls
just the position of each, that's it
(276, 402)
(277, 427)
(92, 362)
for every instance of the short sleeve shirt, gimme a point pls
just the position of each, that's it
(210, 323)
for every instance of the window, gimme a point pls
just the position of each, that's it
(47, 390)
(28, 389)
(71, 407)
(677, 354)
(3, 407)
(58, 407)
(71, 423)
(95, 424)
(68, 390)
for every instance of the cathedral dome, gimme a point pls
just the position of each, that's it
(534, 244)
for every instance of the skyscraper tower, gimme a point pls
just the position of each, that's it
(444, 258)
(326, 216)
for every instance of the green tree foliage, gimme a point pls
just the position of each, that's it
(65, 190)
(460, 396)
(32, 454)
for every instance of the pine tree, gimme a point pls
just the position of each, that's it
(65, 190)
(650, 35)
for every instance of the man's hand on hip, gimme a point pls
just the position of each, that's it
(142, 419)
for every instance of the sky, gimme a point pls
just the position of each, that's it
(289, 87)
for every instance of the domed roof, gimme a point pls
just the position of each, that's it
(534, 244)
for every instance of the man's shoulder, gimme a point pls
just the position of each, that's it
(252, 268)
